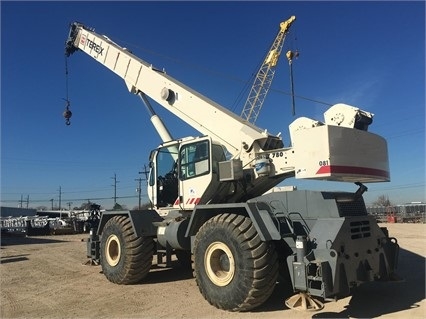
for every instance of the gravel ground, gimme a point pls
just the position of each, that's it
(45, 277)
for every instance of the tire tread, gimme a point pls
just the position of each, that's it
(260, 258)
(137, 253)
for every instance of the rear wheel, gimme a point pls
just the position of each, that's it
(234, 269)
(125, 257)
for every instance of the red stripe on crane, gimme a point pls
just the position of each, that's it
(193, 200)
(339, 169)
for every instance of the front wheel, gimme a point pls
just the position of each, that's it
(233, 268)
(125, 257)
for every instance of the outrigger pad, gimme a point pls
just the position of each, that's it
(303, 302)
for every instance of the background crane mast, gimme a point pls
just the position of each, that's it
(265, 75)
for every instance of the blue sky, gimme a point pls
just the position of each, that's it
(367, 54)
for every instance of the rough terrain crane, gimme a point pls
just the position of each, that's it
(209, 203)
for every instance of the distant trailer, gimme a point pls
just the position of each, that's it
(16, 211)
(54, 213)
(28, 225)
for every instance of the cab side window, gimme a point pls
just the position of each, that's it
(194, 160)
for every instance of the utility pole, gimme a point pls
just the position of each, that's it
(139, 190)
(60, 197)
(69, 205)
(115, 188)
(145, 172)
(28, 200)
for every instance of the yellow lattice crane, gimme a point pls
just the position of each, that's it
(265, 75)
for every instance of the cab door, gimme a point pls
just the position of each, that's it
(195, 171)
(163, 176)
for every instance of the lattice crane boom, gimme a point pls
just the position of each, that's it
(265, 75)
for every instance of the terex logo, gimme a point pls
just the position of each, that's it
(95, 47)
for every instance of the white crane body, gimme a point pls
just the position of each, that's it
(198, 192)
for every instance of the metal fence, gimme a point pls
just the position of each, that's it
(405, 213)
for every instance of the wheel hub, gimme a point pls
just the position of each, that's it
(112, 250)
(219, 263)
(224, 262)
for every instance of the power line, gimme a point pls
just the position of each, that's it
(405, 186)
(80, 199)
(223, 75)
(139, 180)
(69, 199)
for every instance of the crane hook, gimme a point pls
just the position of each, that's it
(67, 113)
(292, 54)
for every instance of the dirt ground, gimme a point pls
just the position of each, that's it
(45, 277)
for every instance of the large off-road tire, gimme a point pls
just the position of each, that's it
(125, 258)
(233, 268)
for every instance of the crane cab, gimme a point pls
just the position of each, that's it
(185, 173)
